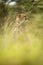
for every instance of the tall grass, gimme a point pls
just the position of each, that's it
(23, 46)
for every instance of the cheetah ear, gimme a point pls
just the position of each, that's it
(19, 15)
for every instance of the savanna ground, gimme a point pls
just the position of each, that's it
(23, 46)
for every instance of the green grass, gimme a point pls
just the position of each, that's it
(25, 45)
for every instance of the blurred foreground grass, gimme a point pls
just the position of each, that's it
(23, 47)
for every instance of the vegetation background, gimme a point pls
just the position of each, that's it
(21, 44)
